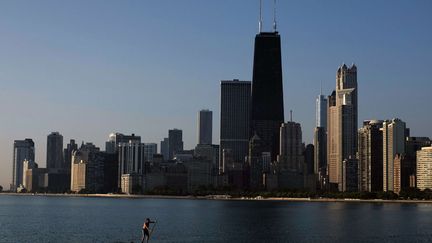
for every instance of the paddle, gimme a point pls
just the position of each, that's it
(152, 229)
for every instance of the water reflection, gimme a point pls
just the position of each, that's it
(120, 220)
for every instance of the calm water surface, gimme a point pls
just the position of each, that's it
(69, 219)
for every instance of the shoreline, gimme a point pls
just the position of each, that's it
(220, 198)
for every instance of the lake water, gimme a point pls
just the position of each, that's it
(78, 219)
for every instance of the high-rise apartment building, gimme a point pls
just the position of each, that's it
(54, 157)
(175, 142)
(424, 168)
(235, 120)
(342, 124)
(370, 152)
(22, 150)
(393, 143)
(267, 91)
(205, 127)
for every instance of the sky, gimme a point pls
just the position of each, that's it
(89, 68)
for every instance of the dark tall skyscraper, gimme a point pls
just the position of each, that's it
(175, 140)
(235, 120)
(55, 158)
(205, 127)
(267, 92)
(164, 148)
(370, 155)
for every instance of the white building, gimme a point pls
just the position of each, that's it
(393, 143)
(424, 168)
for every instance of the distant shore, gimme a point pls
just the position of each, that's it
(218, 197)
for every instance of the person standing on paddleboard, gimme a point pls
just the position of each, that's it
(146, 230)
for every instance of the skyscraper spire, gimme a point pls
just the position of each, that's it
(274, 16)
(260, 17)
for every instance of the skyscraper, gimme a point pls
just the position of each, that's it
(111, 146)
(164, 148)
(308, 155)
(408, 163)
(267, 91)
(320, 139)
(22, 150)
(393, 143)
(72, 146)
(424, 168)
(55, 158)
(320, 152)
(131, 160)
(205, 127)
(291, 148)
(175, 142)
(291, 167)
(321, 111)
(342, 124)
(370, 152)
(150, 149)
(235, 119)
(257, 157)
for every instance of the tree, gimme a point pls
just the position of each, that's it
(1, 188)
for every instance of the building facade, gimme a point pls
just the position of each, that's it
(320, 154)
(393, 143)
(370, 152)
(111, 146)
(267, 91)
(164, 148)
(175, 142)
(205, 127)
(22, 150)
(321, 111)
(54, 157)
(291, 149)
(130, 159)
(342, 124)
(150, 149)
(67, 153)
(235, 119)
(424, 168)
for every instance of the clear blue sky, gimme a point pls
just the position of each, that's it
(88, 68)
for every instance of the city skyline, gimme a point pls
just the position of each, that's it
(51, 111)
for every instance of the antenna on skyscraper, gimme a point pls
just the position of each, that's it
(274, 16)
(260, 17)
(321, 87)
(291, 115)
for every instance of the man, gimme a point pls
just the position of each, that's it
(146, 230)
